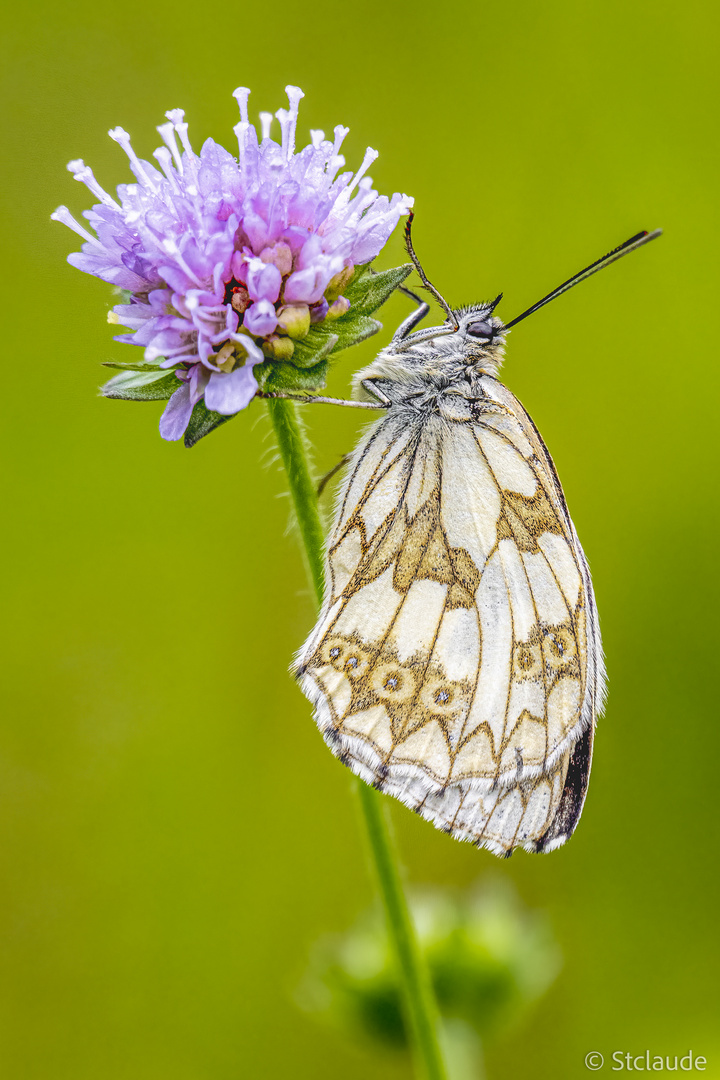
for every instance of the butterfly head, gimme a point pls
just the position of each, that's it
(480, 336)
(436, 358)
(470, 336)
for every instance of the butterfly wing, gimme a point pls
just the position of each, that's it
(455, 660)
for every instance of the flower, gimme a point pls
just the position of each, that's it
(487, 955)
(229, 261)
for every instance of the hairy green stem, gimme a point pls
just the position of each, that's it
(420, 1007)
(294, 447)
(418, 999)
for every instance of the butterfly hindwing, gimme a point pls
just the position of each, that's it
(449, 665)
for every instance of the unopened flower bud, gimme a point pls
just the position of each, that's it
(319, 311)
(340, 307)
(338, 283)
(279, 348)
(294, 320)
(279, 255)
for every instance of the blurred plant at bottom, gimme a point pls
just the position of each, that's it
(489, 958)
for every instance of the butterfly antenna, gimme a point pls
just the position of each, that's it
(612, 256)
(421, 273)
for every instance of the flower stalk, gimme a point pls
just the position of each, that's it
(419, 1003)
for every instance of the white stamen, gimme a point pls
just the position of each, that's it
(182, 130)
(63, 215)
(241, 131)
(266, 119)
(370, 156)
(241, 95)
(167, 134)
(119, 135)
(317, 137)
(84, 174)
(295, 96)
(284, 117)
(340, 133)
(331, 170)
(162, 154)
(177, 119)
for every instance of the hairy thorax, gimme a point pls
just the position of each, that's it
(418, 376)
(421, 378)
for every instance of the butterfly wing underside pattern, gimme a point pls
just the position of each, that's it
(456, 662)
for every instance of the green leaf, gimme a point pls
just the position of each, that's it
(141, 386)
(354, 286)
(319, 343)
(285, 376)
(330, 337)
(143, 366)
(369, 290)
(202, 422)
(354, 327)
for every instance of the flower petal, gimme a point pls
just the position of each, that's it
(231, 392)
(263, 281)
(177, 414)
(260, 319)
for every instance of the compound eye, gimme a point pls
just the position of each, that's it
(481, 329)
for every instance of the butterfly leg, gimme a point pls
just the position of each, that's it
(335, 469)
(372, 388)
(412, 320)
(316, 399)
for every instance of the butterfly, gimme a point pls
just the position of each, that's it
(456, 662)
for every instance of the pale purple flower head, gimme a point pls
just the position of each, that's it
(226, 258)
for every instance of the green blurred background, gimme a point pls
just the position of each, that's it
(174, 835)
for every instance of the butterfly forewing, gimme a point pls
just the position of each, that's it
(449, 665)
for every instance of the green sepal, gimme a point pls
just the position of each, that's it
(354, 327)
(282, 375)
(336, 334)
(143, 366)
(142, 386)
(369, 289)
(202, 422)
(366, 291)
(318, 344)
